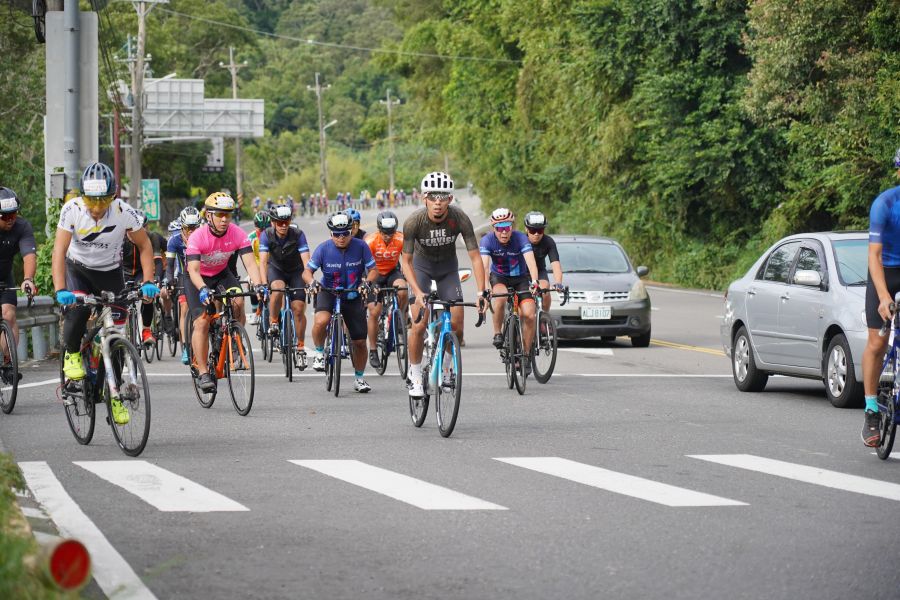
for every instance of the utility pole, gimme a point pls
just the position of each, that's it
(143, 8)
(389, 103)
(323, 172)
(71, 129)
(233, 69)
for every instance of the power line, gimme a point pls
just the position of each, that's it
(342, 46)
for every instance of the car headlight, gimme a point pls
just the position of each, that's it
(638, 291)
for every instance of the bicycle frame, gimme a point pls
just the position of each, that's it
(891, 362)
(442, 322)
(220, 321)
(107, 331)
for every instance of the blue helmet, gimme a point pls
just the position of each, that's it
(354, 215)
(98, 181)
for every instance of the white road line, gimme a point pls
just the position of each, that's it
(34, 384)
(46, 538)
(114, 576)
(807, 474)
(889, 457)
(597, 351)
(34, 513)
(160, 488)
(397, 486)
(619, 483)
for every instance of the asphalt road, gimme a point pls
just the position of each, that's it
(634, 473)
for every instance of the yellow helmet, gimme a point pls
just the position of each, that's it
(219, 201)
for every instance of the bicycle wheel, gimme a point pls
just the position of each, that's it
(507, 352)
(134, 394)
(149, 350)
(329, 363)
(543, 353)
(399, 333)
(418, 407)
(381, 341)
(158, 328)
(288, 345)
(239, 368)
(448, 389)
(78, 400)
(174, 335)
(9, 368)
(520, 361)
(205, 399)
(337, 342)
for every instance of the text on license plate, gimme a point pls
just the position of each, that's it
(596, 312)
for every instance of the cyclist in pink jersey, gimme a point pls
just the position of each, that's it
(207, 254)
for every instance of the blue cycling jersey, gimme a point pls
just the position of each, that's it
(342, 268)
(507, 259)
(175, 252)
(884, 226)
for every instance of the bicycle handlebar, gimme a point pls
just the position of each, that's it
(433, 299)
(887, 322)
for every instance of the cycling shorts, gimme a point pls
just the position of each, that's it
(892, 279)
(224, 278)
(81, 279)
(385, 281)
(445, 274)
(9, 296)
(291, 280)
(354, 312)
(518, 283)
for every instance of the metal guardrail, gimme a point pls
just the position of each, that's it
(42, 318)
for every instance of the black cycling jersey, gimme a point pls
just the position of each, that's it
(285, 253)
(543, 249)
(131, 258)
(18, 240)
(361, 234)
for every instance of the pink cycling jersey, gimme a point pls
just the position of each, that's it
(214, 252)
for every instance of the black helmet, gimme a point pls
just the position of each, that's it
(340, 221)
(280, 212)
(535, 220)
(387, 222)
(9, 202)
(98, 181)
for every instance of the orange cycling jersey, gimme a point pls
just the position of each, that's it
(387, 254)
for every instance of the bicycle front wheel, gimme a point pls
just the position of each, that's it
(239, 368)
(399, 333)
(329, 362)
(134, 394)
(520, 361)
(543, 352)
(78, 400)
(508, 351)
(337, 344)
(381, 342)
(448, 389)
(288, 345)
(205, 399)
(173, 335)
(9, 369)
(418, 407)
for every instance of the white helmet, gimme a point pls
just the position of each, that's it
(437, 182)
(189, 217)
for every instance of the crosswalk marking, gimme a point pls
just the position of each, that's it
(397, 486)
(806, 474)
(620, 483)
(114, 576)
(160, 488)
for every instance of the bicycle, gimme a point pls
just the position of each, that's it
(156, 328)
(336, 336)
(113, 371)
(888, 386)
(262, 330)
(9, 367)
(441, 366)
(287, 338)
(392, 333)
(173, 336)
(512, 353)
(230, 353)
(543, 349)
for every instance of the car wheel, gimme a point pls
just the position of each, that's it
(747, 377)
(641, 341)
(840, 377)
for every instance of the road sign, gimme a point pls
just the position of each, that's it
(150, 196)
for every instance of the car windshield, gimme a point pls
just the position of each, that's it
(852, 257)
(591, 258)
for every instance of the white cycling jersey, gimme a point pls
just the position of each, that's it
(98, 244)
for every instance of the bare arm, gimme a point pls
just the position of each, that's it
(478, 268)
(144, 246)
(876, 272)
(532, 265)
(193, 269)
(557, 271)
(264, 266)
(406, 265)
(252, 267)
(58, 262)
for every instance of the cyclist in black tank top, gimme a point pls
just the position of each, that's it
(544, 247)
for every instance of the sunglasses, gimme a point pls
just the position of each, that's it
(285, 222)
(505, 229)
(97, 200)
(534, 230)
(438, 197)
(220, 214)
(9, 216)
(340, 234)
(190, 227)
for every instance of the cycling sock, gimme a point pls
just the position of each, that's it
(359, 374)
(320, 349)
(415, 371)
(872, 403)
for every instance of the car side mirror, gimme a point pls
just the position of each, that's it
(808, 278)
(642, 271)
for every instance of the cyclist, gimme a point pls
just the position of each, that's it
(208, 252)
(355, 217)
(386, 246)
(283, 253)
(131, 262)
(429, 253)
(544, 247)
(176, 269)
(16, 237)
(260, 222)
(87, 260)
(345, 262)
(512, 266)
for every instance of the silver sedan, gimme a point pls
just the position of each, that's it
(799, 311)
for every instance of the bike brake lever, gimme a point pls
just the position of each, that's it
(480, 319)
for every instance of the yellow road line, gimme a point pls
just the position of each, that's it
(687, 347)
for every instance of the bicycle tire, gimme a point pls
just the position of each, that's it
(206, 399)
(288, 345)
(134, 393)
(446, 402)
(239, 369)
(337, 339)
(381, 345)
(174, 339)
(543, 353)
(263, 337)
(81, 414)
(400, 348)
(8, 341)
(507, 352)
(519, 359)
(329, 365)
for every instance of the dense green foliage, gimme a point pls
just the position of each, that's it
(695, 131)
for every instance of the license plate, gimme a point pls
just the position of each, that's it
(598, 313)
